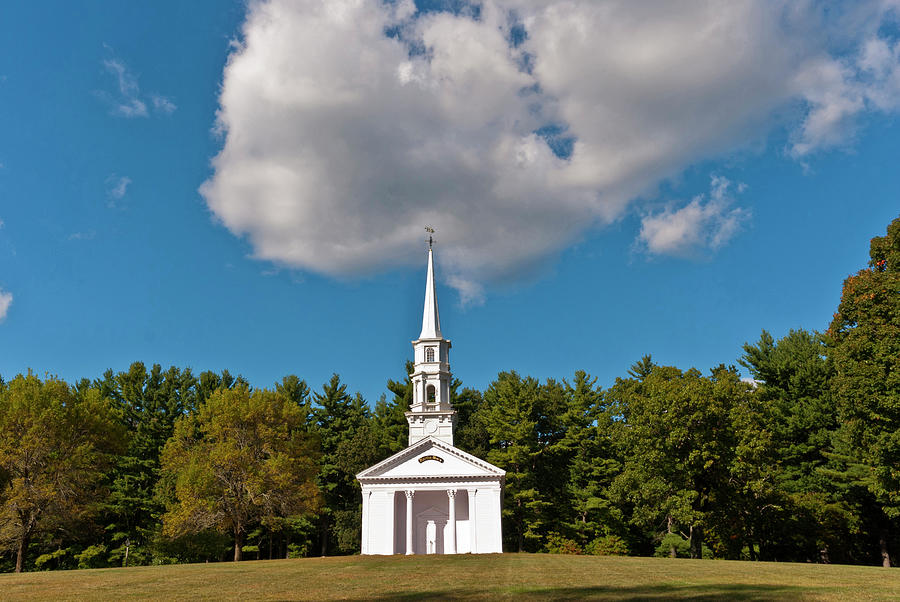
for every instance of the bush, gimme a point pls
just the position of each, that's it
(163, 560)
(558, 544)
(298, 550)
(206, 546)
(92, 557)
(608, 545)
(673, 540)
(137, 555)
(48, 562)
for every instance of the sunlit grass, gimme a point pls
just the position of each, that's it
(528, 576)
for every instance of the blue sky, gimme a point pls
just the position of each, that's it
(217, 185)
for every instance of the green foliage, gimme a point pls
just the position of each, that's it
(511, 410)
(551, 439)
(56, 444)
(794, 376)
(803, 511)
(295, 389)
(50, 561)
(348, 446)
(642, 368)
(677, 437)
(608, 545)
(559, 544)
(242, 457)
(588, 451)
(150, 403)
(673, 545)
(390, 418)
(470, 434)
(864, 345)
(92, 557)
(208, 545)
(302, 528)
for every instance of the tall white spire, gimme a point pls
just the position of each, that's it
(431, 320)
(431, 414)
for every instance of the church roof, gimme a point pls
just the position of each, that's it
(431, 320)
(431, 459)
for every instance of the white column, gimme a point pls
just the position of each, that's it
(450, 544)
(364, 549)
(409, 521)
(381, 522)
(473, 529)
(496, 510)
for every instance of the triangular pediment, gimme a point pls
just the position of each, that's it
(431, 458)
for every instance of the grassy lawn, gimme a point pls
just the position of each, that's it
(520, 576)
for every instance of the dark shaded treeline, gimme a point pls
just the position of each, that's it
(162, 466)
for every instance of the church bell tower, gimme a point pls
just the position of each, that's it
(431, 414)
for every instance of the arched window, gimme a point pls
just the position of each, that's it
(429, 394)
(429, 354)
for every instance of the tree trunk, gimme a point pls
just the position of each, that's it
(673, 552)
(521, 537)
(882, 543)
(127, 548)
(696, 542)
(752, 550)
(324, 525)
(238, 544)
(520, 527)
(20, 555)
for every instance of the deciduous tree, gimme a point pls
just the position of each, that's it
(55, 446)
(677, 441)
(864, 346)
(242, 457)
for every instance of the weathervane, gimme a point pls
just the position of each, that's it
(430, 231)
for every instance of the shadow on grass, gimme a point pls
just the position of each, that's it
(648, 592)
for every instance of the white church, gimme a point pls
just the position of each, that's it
(431, 498)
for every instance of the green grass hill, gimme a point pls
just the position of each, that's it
(464, 577)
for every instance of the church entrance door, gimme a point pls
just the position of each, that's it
(430, 526)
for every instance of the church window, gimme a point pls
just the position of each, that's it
(429, 394)
(429, 354)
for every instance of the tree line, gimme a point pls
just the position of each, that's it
(154, 466)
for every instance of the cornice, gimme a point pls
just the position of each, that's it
(425, 443)
(433, 479)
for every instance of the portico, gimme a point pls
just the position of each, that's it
(431, 513)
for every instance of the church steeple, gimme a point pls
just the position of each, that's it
(431, 319)
(430, 414)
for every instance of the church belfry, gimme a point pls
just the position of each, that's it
(431, 414)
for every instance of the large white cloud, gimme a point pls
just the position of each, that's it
(350, 124)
